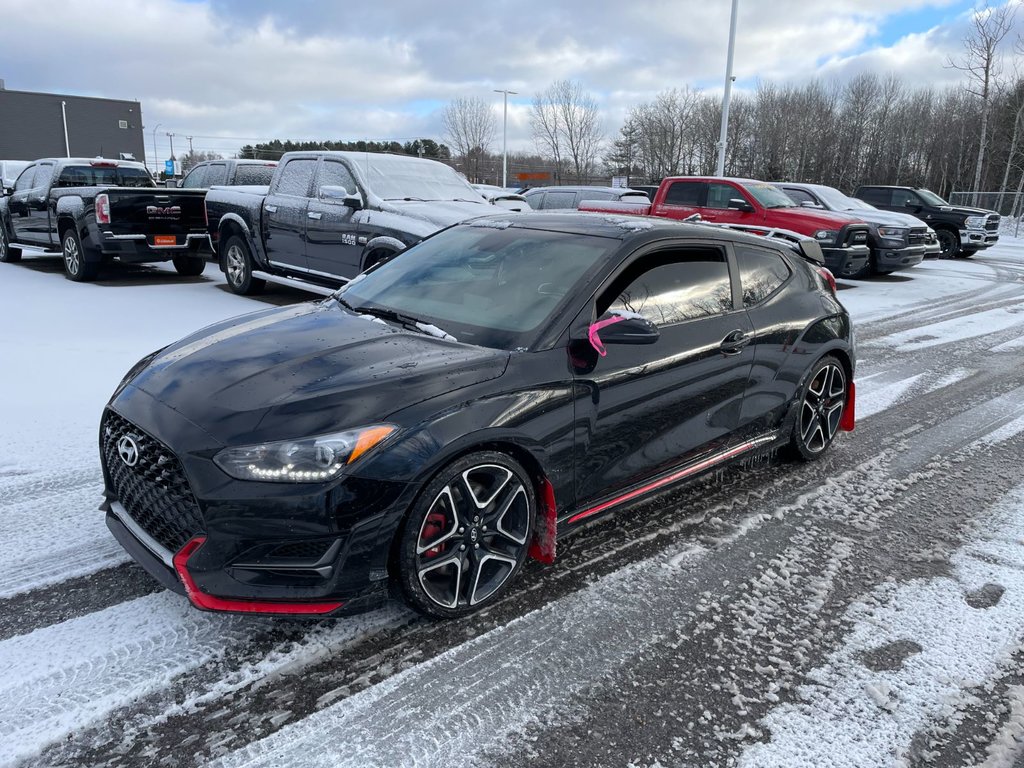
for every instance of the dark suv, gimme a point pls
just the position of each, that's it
(961, 231)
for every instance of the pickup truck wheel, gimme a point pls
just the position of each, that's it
(8, 254)
(949, 243)
(238, 268)
(966, 253)
(76, 268)
(189, 266)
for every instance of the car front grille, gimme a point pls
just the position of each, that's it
(917, 236)
(154, 492)
(992, 222)
(856, 236)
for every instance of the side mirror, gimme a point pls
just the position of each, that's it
(338, 195)
(8, 191)
(618, 327)
(739, 204)
(809, 204)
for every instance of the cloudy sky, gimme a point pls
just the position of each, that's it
(231, 72)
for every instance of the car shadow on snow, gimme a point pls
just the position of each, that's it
(117, 274)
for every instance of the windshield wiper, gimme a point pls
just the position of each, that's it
(407, 199)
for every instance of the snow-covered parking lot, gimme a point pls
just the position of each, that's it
(867, 610)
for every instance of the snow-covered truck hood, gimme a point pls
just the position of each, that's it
(442, 213)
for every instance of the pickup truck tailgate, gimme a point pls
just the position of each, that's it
(165, 218)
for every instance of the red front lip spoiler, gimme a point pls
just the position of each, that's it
(207, 602)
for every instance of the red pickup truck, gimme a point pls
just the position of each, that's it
(757, 204)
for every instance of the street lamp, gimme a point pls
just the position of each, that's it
(504, 137)
(720, 170)
(156, 161)
(174, 169)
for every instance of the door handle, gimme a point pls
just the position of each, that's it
(270, 208)
(314, 215)
(734, 342)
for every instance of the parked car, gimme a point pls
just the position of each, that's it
(961, 231)
(229, 173)
(327, 216)
(466, 404)
(10, 170)
(569, 198)
(648, 189)
(897, 240)
(502, 197)
(94, 210)
(754, 204)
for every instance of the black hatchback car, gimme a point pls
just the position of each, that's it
(459, 408)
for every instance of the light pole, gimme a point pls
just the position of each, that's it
(174, 169)
(64, 117)
(720, 170)
(504, 136)
(156, 157)
(189, 144)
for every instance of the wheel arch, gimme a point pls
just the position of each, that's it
(230, 225)
(382, 244)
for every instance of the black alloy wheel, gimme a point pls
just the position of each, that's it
(949, 243)
(8, 254)
(238, 268)
(189, 266)
(76, 268)
(823, 399)
(466, 536)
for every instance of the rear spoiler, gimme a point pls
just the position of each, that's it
(803, 245)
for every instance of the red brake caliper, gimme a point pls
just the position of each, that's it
(433, 527)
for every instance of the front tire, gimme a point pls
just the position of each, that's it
(189, 266)
(966, 253)
(822, 402)
(238, 268)
(466, 536)
(76, 268)
(949, 243)
(8, 254)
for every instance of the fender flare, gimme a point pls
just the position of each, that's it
(383, 242)
(230, 221)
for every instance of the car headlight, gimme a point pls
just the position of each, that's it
(896, 233)
(309, 460)
(826, 235)
(975, 221)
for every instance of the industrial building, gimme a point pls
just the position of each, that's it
(34, 125)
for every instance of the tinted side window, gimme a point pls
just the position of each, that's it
(196, 178)
(799, 196)
(686, 193)
(719, 195)
(334, 174)
(594, 195)
(761, 273)
(904, 198)
(559, 200)
(673, 287)
(254, 174)
(296, 176)
(876, 196)
(25, 179)
(216, 174)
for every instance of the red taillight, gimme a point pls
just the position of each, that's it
(825, 273)
(102, 209)
(210, 603)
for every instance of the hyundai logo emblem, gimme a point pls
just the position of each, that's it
(128, 450)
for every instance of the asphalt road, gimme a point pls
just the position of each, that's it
(862, 610)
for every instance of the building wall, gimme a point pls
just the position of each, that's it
(31, 126)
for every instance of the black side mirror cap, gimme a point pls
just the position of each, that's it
(616, 328)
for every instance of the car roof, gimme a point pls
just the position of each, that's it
(584, 188)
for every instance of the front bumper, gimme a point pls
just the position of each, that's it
(977, 239)
(892, 259)
(847, 260)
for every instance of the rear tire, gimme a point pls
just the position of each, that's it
(189, 266)
(8, 253)
(822, 402)
(238, 268)
(76, 268)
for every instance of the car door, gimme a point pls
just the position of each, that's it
(332, 239)
(284, 214)
(682, 199)
(647, 408)
(30, 208)
(717, 208)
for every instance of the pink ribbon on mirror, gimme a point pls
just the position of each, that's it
(595, 340)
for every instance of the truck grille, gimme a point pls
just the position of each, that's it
(917, 236)
(856, 237)
(992, 222)
(155, 492)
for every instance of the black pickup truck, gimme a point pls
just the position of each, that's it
(91, 211)
(961, 231)
(327, 216)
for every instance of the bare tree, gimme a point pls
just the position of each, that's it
(981, 63)
(566, 126)
(469, 127)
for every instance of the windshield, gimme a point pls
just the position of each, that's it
(769, 196)
(391, 177)
(931, 198)
(837, 201)
(103, 176)
(484, 285)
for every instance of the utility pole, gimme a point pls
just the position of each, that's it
(723, 136)
(156, 158)
(504, 136)
(189, 145)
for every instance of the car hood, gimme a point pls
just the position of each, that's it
(442, 213)
(307, 370)
(890, 218)
(965, 211)
(815, 217)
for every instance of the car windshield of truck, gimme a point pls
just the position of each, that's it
(837, 201)
(769, 196)
(483, 284)
(930, 197)
(399, 178)
(103, 176)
